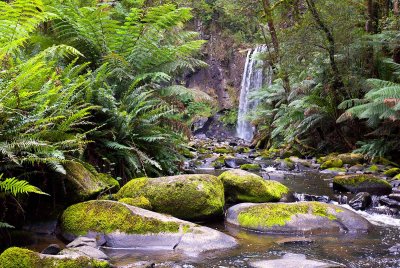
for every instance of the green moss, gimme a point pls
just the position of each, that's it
(24, 258)
(337, 169)
(271, 153)
(278, 214)
(333, 163)
(254, 167)
(223, 150)
(392, 172)
(244, 150)
(242, 186)
(351, 158)
(141, 202)
(358, 180)
(184, 196)
(373, 169)
(219, 162)
(383, 161)
(107, 217)
(85, 182)
(203, 151)
(19, 258)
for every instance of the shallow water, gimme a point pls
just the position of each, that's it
(353, 250)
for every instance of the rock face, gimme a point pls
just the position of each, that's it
(243, 186)
(24, 258)
(119, 225)
(362, 183)
(293, 261)
(296, 218)
(84, 183)
(189, 197)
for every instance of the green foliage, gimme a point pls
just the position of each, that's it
(16, 187)
(229, 117)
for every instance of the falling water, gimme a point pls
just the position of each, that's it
(253, 79)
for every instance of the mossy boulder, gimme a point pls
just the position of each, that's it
(119, 225)
(351, 158)
(252, 167)
(23, 258)
(243, 186)
(296, 218)
(223, 150)
(374, 169)
(84, 182)
(191, 197)
(392, 172)
(383, 161)
(362, 183)
(140, 202)
(333, 163)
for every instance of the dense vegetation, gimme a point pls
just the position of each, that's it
(102, 83)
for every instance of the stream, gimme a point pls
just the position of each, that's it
(356, 250)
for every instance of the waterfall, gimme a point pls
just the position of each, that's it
(253, 80)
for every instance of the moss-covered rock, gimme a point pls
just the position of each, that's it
(140, 202)
(374, 169)
(219, 162)
(271, 153)
(192, 197)
(383, 161)
(243, 186)
(119, 225)
(84, 182)
(24, 258)
(333, 163)
(351, 158)
(362, 183)
(252, 167)
(392, 172)
(223, 150)
(302, 217)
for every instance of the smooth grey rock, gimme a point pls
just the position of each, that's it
(346, 220)
(191, 239)
(52, 249)
(83, 241)
(235, 162)
(85, 251)
(294, 261)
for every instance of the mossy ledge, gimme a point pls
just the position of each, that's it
(108, 216)
(278, 214)
(140, 202)
(15, 257)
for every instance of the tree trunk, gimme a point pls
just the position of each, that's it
(372, 16)
(396, 7)
(337, 81)
(275, 42)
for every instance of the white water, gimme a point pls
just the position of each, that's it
(253, 79)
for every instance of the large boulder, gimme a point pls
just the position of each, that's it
(189, 197)
(357, 183)
(296, 218)
(83, 182)
(23, 258)
(119, 225)
(243, 186)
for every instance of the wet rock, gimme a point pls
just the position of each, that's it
(362, 183)
(252, 167)
(84, 251)
(383, 210)
(334, 163)
(395, 197)
(334, 171)
(189, 197)
(308, 197)
(294, 261)
(235, 162)
(243, 186)
(361, 201)
(356, 168)
(395, 249)
(286, 164)
(83, 241)
(52, 249)
(118, 225)
(392, 172)
(389, 202)
(295, 218)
